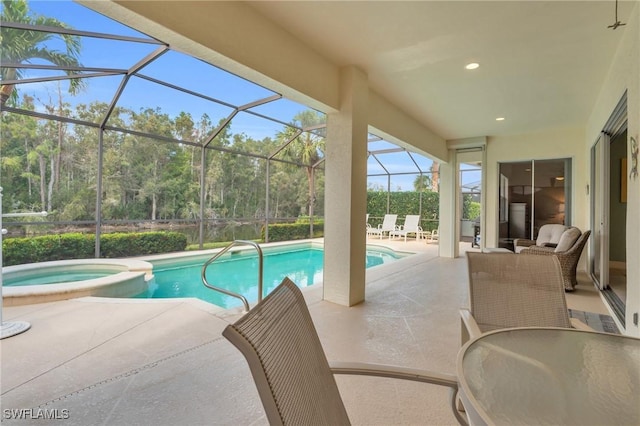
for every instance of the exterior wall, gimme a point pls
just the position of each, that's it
(624, 74)
(561, 143)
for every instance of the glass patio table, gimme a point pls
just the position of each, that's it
(550, 376)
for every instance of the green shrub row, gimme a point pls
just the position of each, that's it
(403, 203)
(292, 231)
(17, 251)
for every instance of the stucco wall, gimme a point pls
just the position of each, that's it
(559, 143)
(624, 74)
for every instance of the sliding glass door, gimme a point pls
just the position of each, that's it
(532, 193)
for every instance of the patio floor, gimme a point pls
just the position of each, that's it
(164, 362)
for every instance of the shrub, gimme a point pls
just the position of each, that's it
(138, 244)
(403, 203)
(293, 231)
(472, 210)
(17, 251)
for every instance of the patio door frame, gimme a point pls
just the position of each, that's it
(599, 268)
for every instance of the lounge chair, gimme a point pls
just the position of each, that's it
(289, 367)
(433, 235)
(510, 290)
(388, 224)
(411, 226)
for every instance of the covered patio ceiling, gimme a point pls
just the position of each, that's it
(542, 63)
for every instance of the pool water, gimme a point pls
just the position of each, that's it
(239, 273)
(58, 277)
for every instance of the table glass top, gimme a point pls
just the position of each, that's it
(545, 376)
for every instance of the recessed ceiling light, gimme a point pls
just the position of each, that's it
(472, 66)
(500, 119)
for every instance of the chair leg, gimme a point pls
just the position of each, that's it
(459, 404)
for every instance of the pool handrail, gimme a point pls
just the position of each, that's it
(231, 293)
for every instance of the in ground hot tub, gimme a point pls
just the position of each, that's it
(67, 279)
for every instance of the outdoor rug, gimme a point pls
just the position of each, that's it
(599, 322)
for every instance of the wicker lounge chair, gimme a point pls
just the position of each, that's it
(510, 290)
(568, 259)
(289, 367)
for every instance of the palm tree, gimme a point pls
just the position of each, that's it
(422, 183)
(21, 46)
(435, 176)
(307, 148)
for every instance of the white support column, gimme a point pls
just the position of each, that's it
(346, 192)
(448, 244)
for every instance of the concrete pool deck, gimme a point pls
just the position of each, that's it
(164, 362)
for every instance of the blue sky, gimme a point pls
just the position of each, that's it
(201, 78)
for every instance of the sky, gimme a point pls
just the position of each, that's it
(202, 78)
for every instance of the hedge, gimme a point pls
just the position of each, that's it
(292, 231)
(17, 251)
(403, 203)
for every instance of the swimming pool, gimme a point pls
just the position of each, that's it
(238, 272)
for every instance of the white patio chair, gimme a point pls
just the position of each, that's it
(411, 226)
(388, 224)
(433, 235)
(295, 381)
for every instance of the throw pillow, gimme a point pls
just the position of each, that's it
(567, 239)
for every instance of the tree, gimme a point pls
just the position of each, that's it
(422, 183)
(17, 138)
(435, 176)
(470, 208)
(307, 148)
(151, 156)
(21, 46)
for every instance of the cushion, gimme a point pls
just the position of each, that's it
(568, 239)
(550, 233)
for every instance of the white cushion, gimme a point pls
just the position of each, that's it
(568, 239)
(550, 233)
